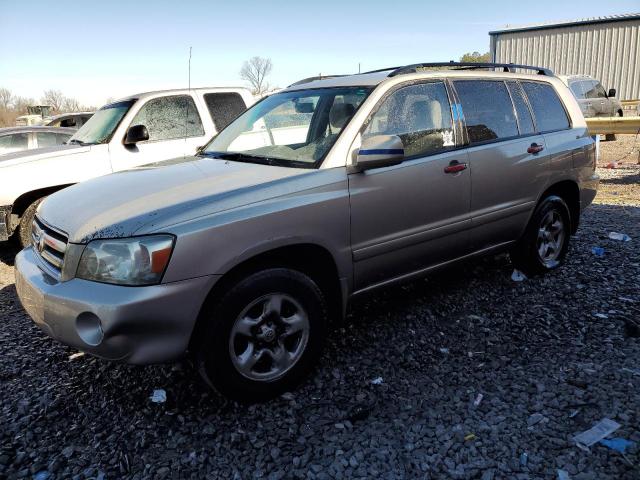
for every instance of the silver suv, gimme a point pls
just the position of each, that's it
(327, 190)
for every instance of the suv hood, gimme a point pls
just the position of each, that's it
(148, 198)
(41, 154)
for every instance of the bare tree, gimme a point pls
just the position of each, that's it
(21, 104)
(6, 98)
(255, 71)
(71, 105)
(55, 98)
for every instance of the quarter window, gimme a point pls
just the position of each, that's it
(488, 111)
(420, 115)
(547, 108)
(167, 118)
(224, 107)
(578, 89)
(525, 122)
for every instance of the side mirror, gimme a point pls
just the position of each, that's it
(612, 93)
(379, 151)
(304, 107)
(135, 134)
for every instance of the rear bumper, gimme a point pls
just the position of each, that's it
(138, 325)
(5, 215)
(588, 190)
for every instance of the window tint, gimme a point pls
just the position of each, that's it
(14, 143)
(525, 122)
(488, 111)
(547, 108)
(578, 89)
(46, 139)
(420, 115)
(224, 107)
(167, 118)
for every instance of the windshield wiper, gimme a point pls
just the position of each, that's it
(240, 157)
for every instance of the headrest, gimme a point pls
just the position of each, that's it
(340, 113)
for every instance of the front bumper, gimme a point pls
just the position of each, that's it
(5, 215)
(139, 325)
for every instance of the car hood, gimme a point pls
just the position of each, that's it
(41, 154)
(148, 198)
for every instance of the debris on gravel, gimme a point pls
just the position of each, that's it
(552, 356)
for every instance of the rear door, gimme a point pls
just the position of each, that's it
(175, 130)
(407, 217)
(507, 159)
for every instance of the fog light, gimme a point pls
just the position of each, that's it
(89, 328)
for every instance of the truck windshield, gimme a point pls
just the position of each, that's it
(294, 129)
(101, 126)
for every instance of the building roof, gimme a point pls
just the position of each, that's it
(571, 23)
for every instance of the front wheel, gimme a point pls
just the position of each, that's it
(545, 242)
(26, 223)
(263, 336)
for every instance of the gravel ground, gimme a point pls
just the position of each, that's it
(550, 356)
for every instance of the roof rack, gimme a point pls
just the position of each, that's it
(507, 67)
(313, 79)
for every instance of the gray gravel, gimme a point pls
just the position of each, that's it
(549, 356)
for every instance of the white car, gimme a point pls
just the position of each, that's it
(137, 130)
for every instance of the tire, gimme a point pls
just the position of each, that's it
(24, 229)
(245, 352)
(611, 137)
(540, 251)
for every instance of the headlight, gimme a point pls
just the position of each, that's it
(126, 261)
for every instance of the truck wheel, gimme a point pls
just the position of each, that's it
(26, 222)
(544, 244)
(263, 336)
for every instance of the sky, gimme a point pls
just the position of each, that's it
(94, 51)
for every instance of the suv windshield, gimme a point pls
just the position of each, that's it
(100, 127)
(294, 129)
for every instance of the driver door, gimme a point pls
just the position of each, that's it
(175, 130)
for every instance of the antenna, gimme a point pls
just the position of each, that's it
(190, 68)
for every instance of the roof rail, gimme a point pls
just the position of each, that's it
(313, 79)
(507, 67)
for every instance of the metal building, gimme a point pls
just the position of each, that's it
(607, 48)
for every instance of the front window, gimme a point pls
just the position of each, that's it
(100, 127)
(291, 129)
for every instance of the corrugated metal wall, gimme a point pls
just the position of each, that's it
(608, 51)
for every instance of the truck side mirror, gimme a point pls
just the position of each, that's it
(135, 134)
(379, 151)
(612, 93)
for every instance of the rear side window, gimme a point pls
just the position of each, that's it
(46, 139)
(578, 89)
(167, 118)
(525, 122)
(547, 107)
(224, 107)
(488, 111)
(420, 115)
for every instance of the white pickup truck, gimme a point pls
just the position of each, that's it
(137, 130)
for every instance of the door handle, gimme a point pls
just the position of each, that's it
(455, 167)
(535, 148)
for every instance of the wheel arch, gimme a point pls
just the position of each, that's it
(312, 259)
(569, 191)
(23, 201)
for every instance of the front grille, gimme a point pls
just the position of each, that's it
(49, 244)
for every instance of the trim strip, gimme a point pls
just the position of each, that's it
(382, 151)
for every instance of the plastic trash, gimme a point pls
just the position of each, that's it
(617, 444)
(604, 316)
(600, 430)
(76, 355)
(611, 165)
(469, 437)
(444, 350)
(158, 396)
(377, 381)
(623, 237)
(598, 251)
(563, 475)
(518, 276)
(478, 400)
(524, 459)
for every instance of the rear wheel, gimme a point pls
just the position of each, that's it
(26, 222)
(610, 137)
(263, 336)
(544, 244)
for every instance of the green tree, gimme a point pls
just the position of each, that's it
(476, 57)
